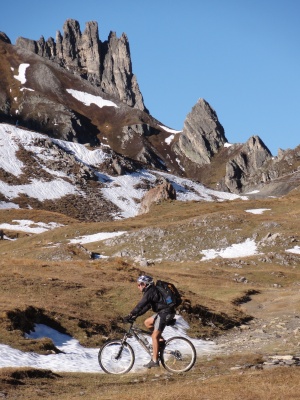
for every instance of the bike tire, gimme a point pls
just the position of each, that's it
(178, 354)
(115, 357)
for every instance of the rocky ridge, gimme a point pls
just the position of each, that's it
(105, 64)
(81, 61)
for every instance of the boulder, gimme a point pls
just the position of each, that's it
(162, 192)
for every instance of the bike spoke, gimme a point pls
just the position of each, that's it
(179, 355)
(114, 358)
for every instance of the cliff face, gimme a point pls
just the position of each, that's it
(202, 135)
(246, 169)
(105, 64)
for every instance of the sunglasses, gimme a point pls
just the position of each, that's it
(140, 284)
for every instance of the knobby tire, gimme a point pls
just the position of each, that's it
(178, 355)
(115, 357)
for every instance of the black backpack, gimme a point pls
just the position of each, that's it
(169, 293)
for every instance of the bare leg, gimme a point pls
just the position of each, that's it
(155, 344)
(149, 323)
(156, 336)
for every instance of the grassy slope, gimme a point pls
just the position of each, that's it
(213, 381)
(86, 297)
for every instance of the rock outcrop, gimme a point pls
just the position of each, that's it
(46, 101)
(106, 64)
(4, 38)
(245, 170)
(162, 192)
(202, 135)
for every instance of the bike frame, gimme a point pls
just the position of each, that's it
(135, 332)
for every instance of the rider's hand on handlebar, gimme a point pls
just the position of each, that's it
(129, 318)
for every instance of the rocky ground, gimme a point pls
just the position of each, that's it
(274, 332)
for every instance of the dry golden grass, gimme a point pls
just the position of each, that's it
(87, 297)
(202, 383)
(63, 287)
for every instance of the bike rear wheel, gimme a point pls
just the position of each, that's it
(116, 357)
(178, 355)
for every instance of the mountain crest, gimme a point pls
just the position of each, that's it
(202, 135)
(105, 64)
(80, 89)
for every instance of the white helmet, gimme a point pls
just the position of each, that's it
(146, 279)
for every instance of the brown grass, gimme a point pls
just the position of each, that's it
(203, 382)
(61, 286)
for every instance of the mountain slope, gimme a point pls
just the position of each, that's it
(51, 174)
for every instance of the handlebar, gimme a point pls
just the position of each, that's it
(128, 321)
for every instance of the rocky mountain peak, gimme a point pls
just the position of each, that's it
(105, 64)
(257, 151)
(4, 38)
(80, 89)
(202, 135)
(244, 170)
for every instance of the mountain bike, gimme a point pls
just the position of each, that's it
(176, 354)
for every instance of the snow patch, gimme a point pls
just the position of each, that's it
(96, 237)
(169, 139)
(245, 249)
(76, 358)
(294, 250)
(25, 88)
(253, 192)
(88, 99)
(258, 210)
(26, 225)
(169, 130)
(7, 205)
(180, 166)
(22, 73)
(40, 190)
(81, 153)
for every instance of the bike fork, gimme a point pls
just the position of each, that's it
(121, 348)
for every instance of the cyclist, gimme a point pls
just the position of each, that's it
(164, 314)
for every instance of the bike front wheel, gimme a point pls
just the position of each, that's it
(178, 355)
(116, 357)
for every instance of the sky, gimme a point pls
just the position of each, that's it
(242, 56)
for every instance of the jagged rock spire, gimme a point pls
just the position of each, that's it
(202, 135)
(106, 64)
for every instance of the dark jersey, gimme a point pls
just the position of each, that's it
(152, 298)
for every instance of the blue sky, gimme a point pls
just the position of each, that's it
(242, 56)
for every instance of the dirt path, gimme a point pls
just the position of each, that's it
(275, 328)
